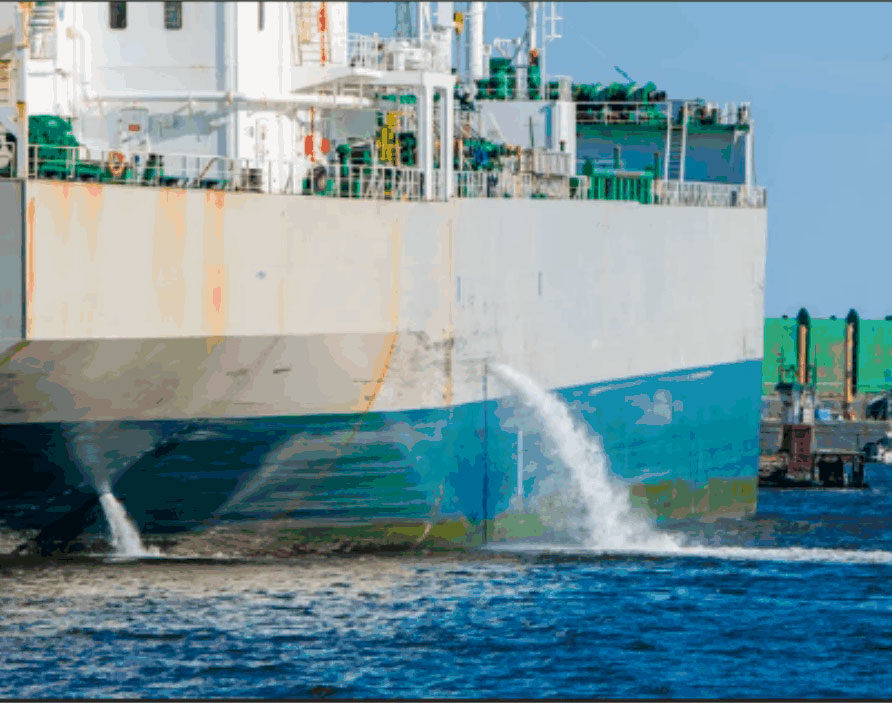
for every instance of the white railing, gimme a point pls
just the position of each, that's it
(382, 182)
(475, 184)
(361, 181)
(504, 184)
(546, 162)
(621, 112)
(145, 168)
(221, 173)
(703, 112)
(394, 54)
(364, 50)
(618, 112)
(708, 194)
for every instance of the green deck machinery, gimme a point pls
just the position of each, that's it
(501, 83)
(55, 154)
(55, 150)
(615, 184)
(480, 155)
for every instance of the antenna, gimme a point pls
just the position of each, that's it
(624, 74)
(550, 19)
(550, 32)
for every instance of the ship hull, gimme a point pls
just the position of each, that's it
(239, 358)
(683, 454)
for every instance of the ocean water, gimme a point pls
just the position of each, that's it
(794, 602)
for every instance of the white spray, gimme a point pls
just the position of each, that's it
(608, 520)
(124, 533)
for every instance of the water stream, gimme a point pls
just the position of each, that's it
(600, 502)
(125, 537)
(605, 511)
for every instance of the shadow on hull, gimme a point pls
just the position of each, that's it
(62, 536)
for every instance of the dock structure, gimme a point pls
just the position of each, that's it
(798, 461)
(800, 464)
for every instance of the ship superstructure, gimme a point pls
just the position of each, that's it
(265, 95)
(240, 229)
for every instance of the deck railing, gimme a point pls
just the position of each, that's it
(478, 184)
(639, 113)
(374, 52)
(382, 182)
(82, 163)
(364, 50)
(504, 184)
(366, 182)
(621, 113)
(708, 194)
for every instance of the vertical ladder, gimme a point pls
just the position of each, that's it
(5, 82)
(676, 145)
(307, 37)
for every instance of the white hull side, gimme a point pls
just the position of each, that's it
(202, 298)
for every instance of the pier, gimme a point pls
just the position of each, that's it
(827, 400)
(800, 463)
(798, 453)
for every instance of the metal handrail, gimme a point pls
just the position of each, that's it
(628, 112)
(709, 194)
(146, 168)
(621, 112)
(372, 51)
(378, 181)
(505, 184)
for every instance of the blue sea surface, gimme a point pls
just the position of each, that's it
(814, 621)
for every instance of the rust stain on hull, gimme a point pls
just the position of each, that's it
(168, 249)
(92, 200)
(370, 391)
(61, 211)
(215, 289)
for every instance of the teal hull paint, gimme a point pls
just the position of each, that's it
(412, 466)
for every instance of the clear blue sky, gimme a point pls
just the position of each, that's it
(819, 79)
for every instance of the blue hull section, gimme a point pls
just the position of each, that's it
(693, 426)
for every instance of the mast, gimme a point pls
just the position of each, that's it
(476, 69)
